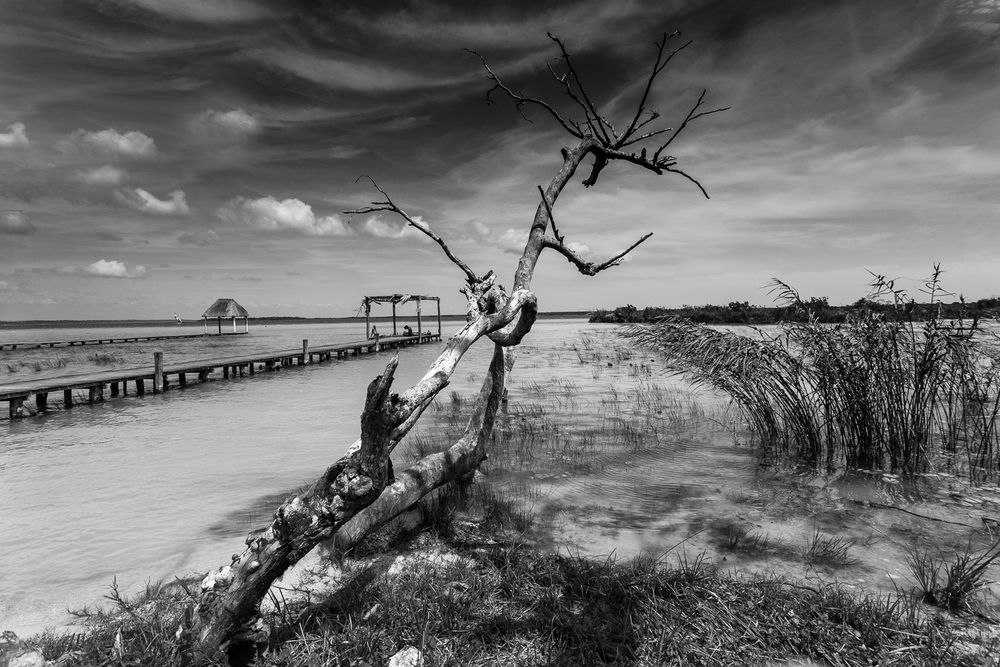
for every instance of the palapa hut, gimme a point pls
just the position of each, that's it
(399, 299)
(226, 309)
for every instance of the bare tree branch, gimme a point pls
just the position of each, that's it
(691, 116)
(595, 121)
(552, 218)
(590, 268)
(388, 205)
(691, 178)
(658, 66)
(520, 100)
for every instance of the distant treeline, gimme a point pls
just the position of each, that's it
(741, 312)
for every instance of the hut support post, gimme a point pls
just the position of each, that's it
(246, 325)
(394, 319)
(205, 320)
(157, 372)
(368, 314)
(234, 325)
(420, 331)
(305, 352)
(439, 318)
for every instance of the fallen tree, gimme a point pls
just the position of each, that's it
(360, 492)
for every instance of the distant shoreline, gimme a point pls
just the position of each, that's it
(95, 324)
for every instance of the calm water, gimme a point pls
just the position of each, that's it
(612, 455)
(147, 488)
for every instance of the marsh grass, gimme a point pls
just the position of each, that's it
(829, 550)
(872, 393)
(734, 535)
(953, 583)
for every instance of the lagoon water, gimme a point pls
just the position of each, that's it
(617, 458)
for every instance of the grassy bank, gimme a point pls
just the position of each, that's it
(457, 580)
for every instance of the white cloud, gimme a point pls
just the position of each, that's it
(270, 214)
(106, 268)
(343, 152)
(201, 237)
(234, 123)
(133, 144)
(392, 229)
(142, 200)
(512, 240)
(16, 136)
(582, 250)
(16, 222)
(106, 175)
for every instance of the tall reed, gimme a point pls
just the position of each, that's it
(875, 392)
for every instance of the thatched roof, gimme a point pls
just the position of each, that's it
(226, 308)
(399, 298)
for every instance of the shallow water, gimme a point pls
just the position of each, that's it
(611, 455)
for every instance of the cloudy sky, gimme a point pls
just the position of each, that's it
(157, 154)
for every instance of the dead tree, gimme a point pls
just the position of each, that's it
(360, 488)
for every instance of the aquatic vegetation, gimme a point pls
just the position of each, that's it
(105, 358)
(739, 536)
(951, 584)
(829, 550)
(869, 393)
(37, 365)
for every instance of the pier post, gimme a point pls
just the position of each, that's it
(114, 389)
(439, 318)
(140, 387)
(305, 352)
(15, 406)
(157, 372)
(67, 398)
(42, 401)
(182, 379)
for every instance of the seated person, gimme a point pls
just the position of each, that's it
(374, 334)
(407, 331)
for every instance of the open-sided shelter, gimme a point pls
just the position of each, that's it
(399, 299)
(224, 309)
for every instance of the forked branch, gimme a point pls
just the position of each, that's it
(423, 227)
(598, 134)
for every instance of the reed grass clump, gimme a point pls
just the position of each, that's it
(952, 583)
(874, 392)
(829, 550)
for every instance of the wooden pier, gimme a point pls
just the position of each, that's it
(159, 377)
(35, 345)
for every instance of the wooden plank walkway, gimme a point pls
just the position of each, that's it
(35, 345)
(147, 379)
